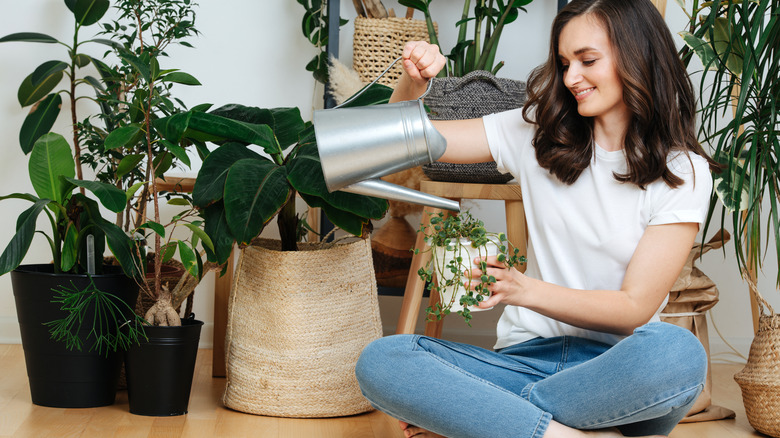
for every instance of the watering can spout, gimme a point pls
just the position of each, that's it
(394, 192)
(359, 145)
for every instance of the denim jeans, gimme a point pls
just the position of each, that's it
(643, 385)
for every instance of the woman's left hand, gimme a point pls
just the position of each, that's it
(510, 287)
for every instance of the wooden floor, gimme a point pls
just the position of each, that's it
(208, 418)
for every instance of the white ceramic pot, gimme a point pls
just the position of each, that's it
(443, 257)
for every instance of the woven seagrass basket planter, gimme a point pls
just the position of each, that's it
(474, 95)
(760, 379)
(297, 323)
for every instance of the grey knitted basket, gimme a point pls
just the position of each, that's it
(477, 94)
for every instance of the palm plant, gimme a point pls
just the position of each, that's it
(738, 43)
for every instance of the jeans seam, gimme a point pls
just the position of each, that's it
(517, 367)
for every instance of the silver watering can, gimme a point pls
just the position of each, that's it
(359, 145)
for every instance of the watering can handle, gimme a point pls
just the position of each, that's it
(355, 96)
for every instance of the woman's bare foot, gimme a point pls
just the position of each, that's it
(558, 430)
(414, 431)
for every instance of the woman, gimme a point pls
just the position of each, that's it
(615, 187)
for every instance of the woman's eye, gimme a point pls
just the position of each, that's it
(564, 67)
(589, 62)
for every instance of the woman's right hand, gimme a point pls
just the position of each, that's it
(422, 61)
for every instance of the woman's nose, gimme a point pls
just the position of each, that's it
(572, 76)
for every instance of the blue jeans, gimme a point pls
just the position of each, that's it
(643, 385)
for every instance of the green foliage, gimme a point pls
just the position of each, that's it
(115, 326)
(737, 43)
(239, 190)
(314, 26)
(488, 21)
(452, 233)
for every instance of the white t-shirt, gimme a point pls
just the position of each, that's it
(583, 235)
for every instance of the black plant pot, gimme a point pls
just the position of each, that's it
(159, 371)
(60, 377)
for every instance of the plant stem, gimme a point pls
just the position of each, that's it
(73, 116)
(287, 221)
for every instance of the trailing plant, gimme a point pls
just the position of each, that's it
(265, 159)
(487, 18)
(738, 43)
(446, 274)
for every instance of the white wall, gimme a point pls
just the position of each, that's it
(253, 53)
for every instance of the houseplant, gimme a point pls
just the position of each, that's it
(318, 294)
(77, 238)
(488, 21)
(737, 44)
(126, 150)
(454, 242)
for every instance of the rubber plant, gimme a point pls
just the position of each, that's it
(265, 159)
(487, 18)
(78, 231)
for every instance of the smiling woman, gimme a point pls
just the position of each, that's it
(608, 134)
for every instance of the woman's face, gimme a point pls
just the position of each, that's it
(589, 70)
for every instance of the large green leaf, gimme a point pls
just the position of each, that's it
(51, 159)
(120, 244)
(255, 191)
(28, 93)
(45, 70)
(112, 197)
(345, 220)
(702, 49)
(210, 183)
(70, 249)
(25, 230)
(88, 12)
(39, 121)
(216, 226)
(286, 123)
(305, 175)
(198, 231)
(202, 126)
(30, 37)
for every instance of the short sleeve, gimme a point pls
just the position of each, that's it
(688, 202)
(508, 135)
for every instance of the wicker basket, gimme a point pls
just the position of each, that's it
(297, 322)
(377, 42)
(760, 379)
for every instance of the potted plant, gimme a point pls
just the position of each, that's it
(61, 300)
(127, 150)
(468, 87)
(265, 160)
(454, 242)
(737, 44)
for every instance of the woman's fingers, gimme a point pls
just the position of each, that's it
(422, 60)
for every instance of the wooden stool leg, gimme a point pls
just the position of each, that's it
(413, 292)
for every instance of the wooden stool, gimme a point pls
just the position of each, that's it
(516, 234)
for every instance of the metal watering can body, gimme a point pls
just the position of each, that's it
(359, 145)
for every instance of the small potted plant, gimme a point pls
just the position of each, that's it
(455, 242)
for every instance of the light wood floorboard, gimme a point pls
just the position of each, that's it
(208, 418)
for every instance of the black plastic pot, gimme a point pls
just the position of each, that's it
(60, 377)
(159, 371)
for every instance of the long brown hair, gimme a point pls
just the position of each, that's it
(656, 90)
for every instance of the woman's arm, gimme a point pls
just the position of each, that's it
(466, 139)
(653, 269)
